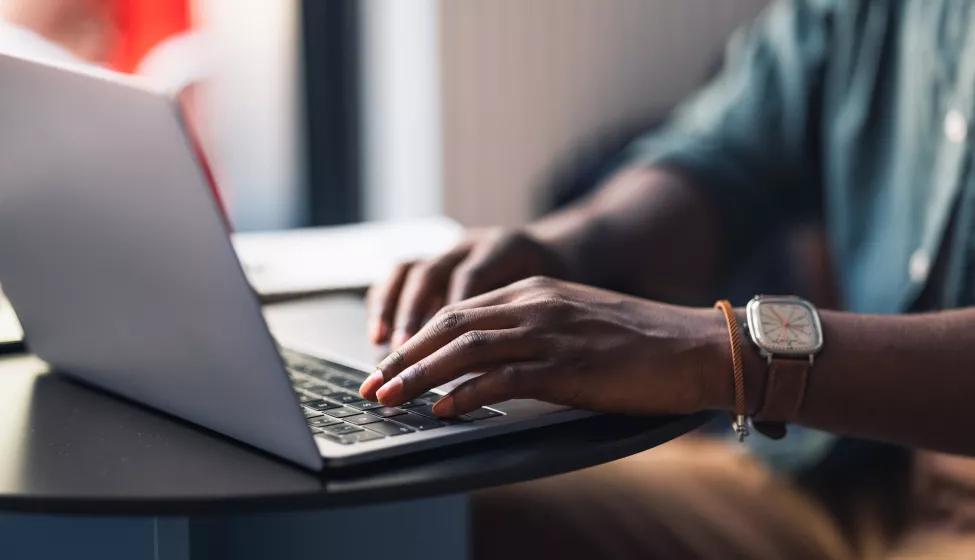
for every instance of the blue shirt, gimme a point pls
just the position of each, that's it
(854, 112)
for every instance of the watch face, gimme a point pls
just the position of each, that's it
(785, 326)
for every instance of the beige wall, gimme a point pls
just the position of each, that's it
(252, 109)
(525, 82)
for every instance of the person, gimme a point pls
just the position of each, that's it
(853, 114)
(61, 31)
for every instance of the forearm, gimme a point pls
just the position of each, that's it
(906, 379)
(649, 232)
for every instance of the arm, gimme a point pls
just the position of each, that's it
(623, 236)
(902, 379)
(745, 146)
(906, 379)
(635, 234)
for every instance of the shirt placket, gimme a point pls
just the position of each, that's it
(958, 286)
(952, 162)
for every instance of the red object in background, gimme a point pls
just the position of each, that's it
(143, 24)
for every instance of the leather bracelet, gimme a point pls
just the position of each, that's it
(738, 420)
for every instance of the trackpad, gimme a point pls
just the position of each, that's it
(332, 327)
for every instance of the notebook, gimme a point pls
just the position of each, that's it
(307, 261)
(10, 331)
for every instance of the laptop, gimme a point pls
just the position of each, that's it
(118, 261)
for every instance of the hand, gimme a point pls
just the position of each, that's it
(486, 260)
(566, 344)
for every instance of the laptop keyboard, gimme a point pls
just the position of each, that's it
(329, 395)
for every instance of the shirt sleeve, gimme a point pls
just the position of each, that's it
(750, 138)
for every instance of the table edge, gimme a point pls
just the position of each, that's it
(239, 505)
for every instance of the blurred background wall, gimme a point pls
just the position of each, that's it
(471, 105)
(253, 107)
(526, 85)
(331, 111)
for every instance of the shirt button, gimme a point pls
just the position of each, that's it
(919, 266)
(956, 126)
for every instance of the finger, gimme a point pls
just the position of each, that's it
(423, 285)
(496, 297)
(435, 306)
(505, 294)
(511, 381)
(444, 328)
(479, 273)
(473, 351)
(382, 301)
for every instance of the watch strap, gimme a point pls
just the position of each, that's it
(785, 390)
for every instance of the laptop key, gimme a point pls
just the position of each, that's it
(345, 370)
(316, 373)
(321, 405)
(334, 378)
(342, 412)
(348, 439)
(347, 383)
(413, 403)
(389, 429)
(483, 414)
(309, 413)
(344, 398)
(318, 385)
(427, 410)
(365, 436)
(342, 429)
(315, 368)
(386, 412)
(343, 440)
(363, 419)
(358, 375)
(417, 422)
(323, 421)
(431, 397)
(365, 405)
(329, 388)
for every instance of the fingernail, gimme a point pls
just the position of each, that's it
(371, 383)
(390, 392)
(445, 407)
(378, 330)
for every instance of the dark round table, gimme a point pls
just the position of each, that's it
(93, 464)
(72, 449)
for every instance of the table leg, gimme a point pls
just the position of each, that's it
(45, 537)
(431, 529)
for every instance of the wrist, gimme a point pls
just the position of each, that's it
(718, 384)
(565, 238)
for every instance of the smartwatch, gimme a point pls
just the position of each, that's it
(788, 333)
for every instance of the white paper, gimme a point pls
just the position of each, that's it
(10, 330)
(312, 260)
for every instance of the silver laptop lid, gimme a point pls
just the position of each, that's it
(116, 259)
